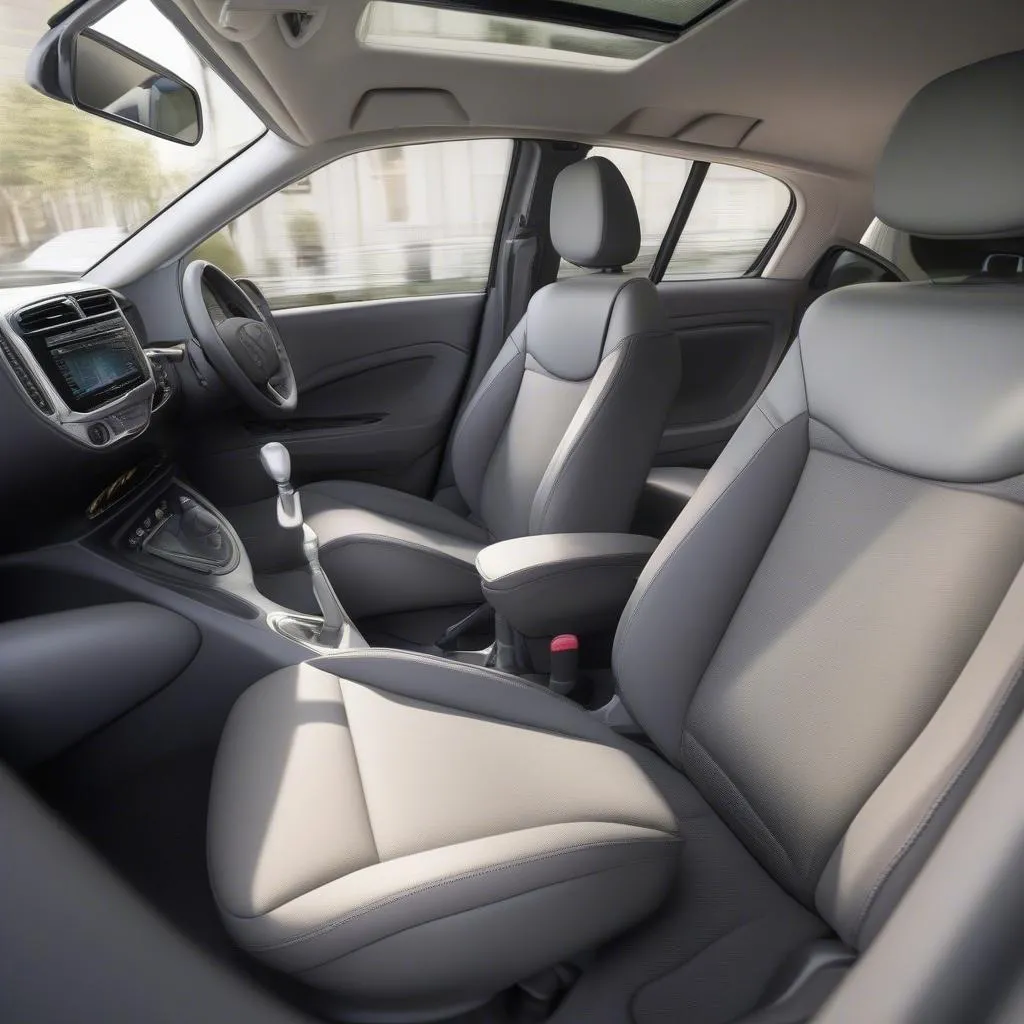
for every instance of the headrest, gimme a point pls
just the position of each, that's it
(954, 164)
(593, 216)
(927, 379)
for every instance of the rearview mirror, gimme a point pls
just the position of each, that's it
(109, 80)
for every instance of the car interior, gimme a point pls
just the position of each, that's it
(528, 525)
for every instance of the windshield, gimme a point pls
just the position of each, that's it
(73, 186)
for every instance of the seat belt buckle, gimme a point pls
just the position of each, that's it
(565, 654)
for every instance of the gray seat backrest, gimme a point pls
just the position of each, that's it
(830, 638)
(560, 434)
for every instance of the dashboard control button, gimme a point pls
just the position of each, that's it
(98, 433)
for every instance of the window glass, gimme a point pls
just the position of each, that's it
(388, 223)
(73, 186)
(735, 215)
(656, 182)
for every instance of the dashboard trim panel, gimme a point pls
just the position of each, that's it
(122, 417)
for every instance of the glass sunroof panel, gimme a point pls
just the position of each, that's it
(394, 25)
(679, 13)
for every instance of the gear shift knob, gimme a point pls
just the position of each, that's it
(276, 462)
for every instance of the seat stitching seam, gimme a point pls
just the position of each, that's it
(454, 666)
(345, 505)
(484, 389)
(612, 562)
(616, 383)
(358, 538)
(937, 803)
(739, 795)
(492, 903)
(453, 879)
(359, 776)
(695, 526)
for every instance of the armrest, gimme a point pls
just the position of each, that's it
(562, 582)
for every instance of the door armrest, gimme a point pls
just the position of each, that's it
(562, 582)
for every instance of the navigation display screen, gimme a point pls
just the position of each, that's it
(93, 365)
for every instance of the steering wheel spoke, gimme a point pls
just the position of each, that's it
(239, 338)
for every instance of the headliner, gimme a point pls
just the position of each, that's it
(806, 83)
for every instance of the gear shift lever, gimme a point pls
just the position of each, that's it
(278, 465)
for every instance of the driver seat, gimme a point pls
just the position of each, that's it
(558, 437)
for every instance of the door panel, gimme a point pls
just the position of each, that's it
(732, 335)
(378, 385)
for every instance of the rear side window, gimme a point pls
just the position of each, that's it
(735, 215)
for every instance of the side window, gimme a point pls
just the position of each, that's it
(736, 213)
(388, 223)
(656, 182)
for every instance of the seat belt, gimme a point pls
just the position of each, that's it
(521, 255)
(513, 288)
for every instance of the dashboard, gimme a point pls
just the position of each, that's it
(78, 360)
(83, 399)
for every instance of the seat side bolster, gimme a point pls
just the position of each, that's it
(484, 419)
(689, 590)
(901, 823)
(597, 472)
(354, 911)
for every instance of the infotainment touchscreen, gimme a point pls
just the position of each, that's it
(92, 365)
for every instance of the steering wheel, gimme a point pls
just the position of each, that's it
(239, 338)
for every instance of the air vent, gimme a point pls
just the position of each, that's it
(47, 314)
(25, 379)
(95, 303)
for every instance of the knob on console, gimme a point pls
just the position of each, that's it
(276, 462)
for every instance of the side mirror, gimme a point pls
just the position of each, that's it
(105, 78)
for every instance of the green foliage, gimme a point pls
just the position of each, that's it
(52, 147)
(220, 250)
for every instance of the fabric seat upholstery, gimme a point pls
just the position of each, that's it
(557, 438)
(825, 650)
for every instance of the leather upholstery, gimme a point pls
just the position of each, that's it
(562, 582)
(593, 219)
(825, 649)
(557, 438)
(810, 623)
(443, 871)
(952, 165)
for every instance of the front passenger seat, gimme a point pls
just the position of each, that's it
(825, 650)
(557, 438)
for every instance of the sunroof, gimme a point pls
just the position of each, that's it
(447, 29)
(677, 13)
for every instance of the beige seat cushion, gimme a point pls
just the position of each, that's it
(391, 846)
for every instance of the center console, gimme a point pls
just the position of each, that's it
(162, 529)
